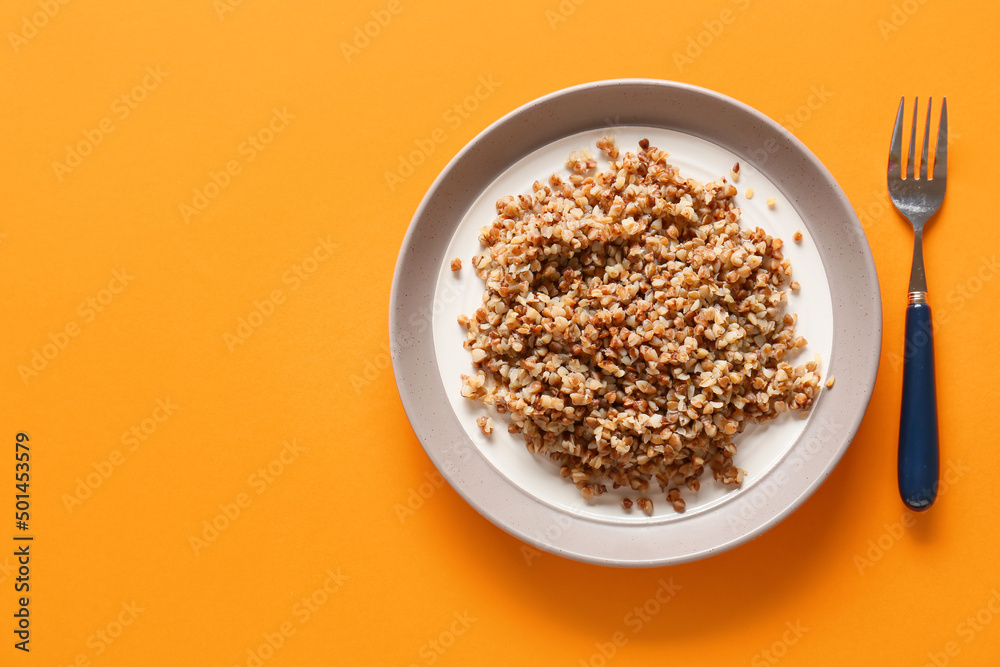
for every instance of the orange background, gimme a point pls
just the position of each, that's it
(862, 582)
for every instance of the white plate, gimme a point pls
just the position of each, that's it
(705, 133)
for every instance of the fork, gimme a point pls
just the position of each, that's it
(918, 198)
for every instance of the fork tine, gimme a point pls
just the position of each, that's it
(896, 146)
(913, 141)
(941, 154)
(927, 139)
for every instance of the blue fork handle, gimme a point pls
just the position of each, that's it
(918, 432)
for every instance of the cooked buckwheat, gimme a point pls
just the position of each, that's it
(631, 326)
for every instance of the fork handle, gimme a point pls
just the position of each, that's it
(918, 432)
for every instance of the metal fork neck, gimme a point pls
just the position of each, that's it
(918, 281)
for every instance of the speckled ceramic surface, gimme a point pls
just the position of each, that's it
(705, 132)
